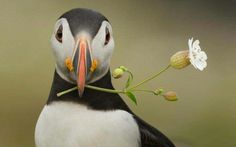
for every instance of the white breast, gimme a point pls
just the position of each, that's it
(64, 124)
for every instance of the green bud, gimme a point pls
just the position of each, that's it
(170, 96)
(158, 91)
(117, 73)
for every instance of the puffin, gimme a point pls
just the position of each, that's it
(87, 117)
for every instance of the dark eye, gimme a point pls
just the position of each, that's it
(59, 34)
(108, 36)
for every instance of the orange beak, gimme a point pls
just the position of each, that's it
(81, 63)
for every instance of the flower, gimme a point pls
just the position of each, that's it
(180, 59)
(196, 55)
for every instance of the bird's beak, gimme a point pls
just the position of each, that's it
(81, 62)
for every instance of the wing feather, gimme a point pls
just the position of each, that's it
(150, 136)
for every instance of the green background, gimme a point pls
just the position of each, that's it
(146, 34)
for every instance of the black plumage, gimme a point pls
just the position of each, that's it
(84, 19)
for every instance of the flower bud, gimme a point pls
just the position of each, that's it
(117, 73)
(170, 96)
(158, 91)
(180, 59)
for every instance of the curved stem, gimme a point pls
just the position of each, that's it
(130, 73)
(150, 78)
(130, 79)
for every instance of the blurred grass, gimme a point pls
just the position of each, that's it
(146, 34)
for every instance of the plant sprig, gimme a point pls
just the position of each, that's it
(128, 89)
(179, 60)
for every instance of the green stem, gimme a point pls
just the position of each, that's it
(118, 91)
(90, 87)
(142, 90)
(150, 78)
(104, 89)
(129, 80)
(130, 73)
(66, 91)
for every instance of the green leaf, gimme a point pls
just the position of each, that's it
(131, 96)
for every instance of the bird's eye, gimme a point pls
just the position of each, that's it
(59, 34)
(108, 36)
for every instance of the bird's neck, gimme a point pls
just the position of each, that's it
(92, 98)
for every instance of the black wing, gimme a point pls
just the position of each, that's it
(151, 137)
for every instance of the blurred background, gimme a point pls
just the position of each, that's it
(146, 34)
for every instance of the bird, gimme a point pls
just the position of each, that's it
(87, 117)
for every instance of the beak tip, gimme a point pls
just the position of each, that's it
(81, 92)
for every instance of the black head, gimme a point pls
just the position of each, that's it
(84, 19)
(82, 43)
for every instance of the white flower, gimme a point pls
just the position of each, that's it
(197, 56)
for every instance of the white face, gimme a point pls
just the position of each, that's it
(100, 46)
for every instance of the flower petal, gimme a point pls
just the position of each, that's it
(199, 66)
(193, 62)
(202, 55)
(204, 64)
(197, 57)
(190, 42)
(196, 46)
